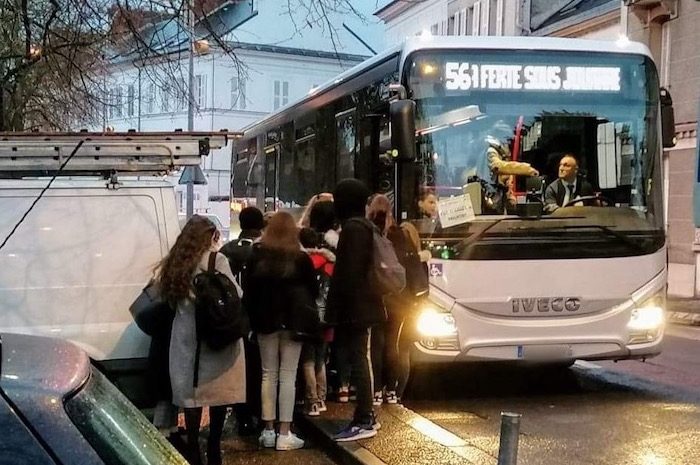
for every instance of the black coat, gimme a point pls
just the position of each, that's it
(276, 286)
(352, 301)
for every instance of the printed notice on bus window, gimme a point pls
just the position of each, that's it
(474, 76)
(455, 210)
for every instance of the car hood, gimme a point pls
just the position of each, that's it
(40, 366)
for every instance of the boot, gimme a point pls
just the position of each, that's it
(213, 454)
(193, 455)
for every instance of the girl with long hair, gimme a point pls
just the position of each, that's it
(221, 373)
(389, 351)
(280, 280)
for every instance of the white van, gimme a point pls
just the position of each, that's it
(80, 258)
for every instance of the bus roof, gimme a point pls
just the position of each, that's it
(413, 44)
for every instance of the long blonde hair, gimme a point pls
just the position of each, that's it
(379, 212)
(281, 233)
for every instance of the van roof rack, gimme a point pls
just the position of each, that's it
(42, 154)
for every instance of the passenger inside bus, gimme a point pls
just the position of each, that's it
(427, 203)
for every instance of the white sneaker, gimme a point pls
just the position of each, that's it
(378, 398)
(322, 406)
(267, 438)
(313, 410)
(289, 442)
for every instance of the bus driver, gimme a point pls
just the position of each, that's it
(569, 186)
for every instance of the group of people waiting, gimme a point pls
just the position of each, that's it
(281, 270)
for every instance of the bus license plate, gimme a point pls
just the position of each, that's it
(545, 352)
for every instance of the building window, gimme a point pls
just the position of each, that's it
(182, 94)
(238, 93)
(151, 99)
(280, 95)
(130, 98)
(118, 102)
(165, 99)
(496, 18)
(200, 90)
(476, 18)
(434, 29)
(109, 107)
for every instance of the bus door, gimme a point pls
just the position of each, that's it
(375, 147)
(346, 144)
(272, 155)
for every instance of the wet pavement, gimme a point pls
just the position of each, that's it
(629, 413)
(245, 451)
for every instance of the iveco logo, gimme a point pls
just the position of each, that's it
(546, 304)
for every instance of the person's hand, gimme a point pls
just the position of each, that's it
(425, 255)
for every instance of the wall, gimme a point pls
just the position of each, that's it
(674, 44)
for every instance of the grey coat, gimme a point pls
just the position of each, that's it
(221, 373)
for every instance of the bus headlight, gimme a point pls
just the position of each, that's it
(437, 330)
(432, 323)
(647, 321)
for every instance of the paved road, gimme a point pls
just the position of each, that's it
(677, 366)
(609, 414)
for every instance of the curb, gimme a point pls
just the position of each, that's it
(684, 318)
(347, 453)
(397, 422)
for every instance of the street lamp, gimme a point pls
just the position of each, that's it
(190, 94)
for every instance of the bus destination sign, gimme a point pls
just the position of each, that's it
(470, 76)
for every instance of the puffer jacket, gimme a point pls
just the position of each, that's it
(276, 284)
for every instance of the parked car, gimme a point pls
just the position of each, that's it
(57, 408)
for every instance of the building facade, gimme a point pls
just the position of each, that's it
(669, 28)
(275, 59)
(450, 17)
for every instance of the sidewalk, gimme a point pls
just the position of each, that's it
(405, 438)
(683, 311)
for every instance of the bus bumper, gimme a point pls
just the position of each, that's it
(542, 353)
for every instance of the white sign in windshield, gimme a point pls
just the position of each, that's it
(455, 210)
(467, 76)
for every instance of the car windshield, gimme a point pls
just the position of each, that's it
(526, 155)
(117, 431)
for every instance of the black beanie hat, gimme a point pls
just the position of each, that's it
(350, 198)
(251, 218)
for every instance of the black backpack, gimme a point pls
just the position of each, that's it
(219, 317)
(238, 252)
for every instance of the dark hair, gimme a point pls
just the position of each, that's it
(322, 216)
(309, 238)
(425, 191)
(251, 218)
(174, 273)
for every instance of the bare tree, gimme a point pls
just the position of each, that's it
(56, 55)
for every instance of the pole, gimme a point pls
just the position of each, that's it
(190, 94)
(508, 447)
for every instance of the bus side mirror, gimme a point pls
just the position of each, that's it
(668, 123)
(403, 128)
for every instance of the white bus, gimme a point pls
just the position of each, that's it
(514, 276)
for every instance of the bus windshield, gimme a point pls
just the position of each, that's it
(536, 155)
